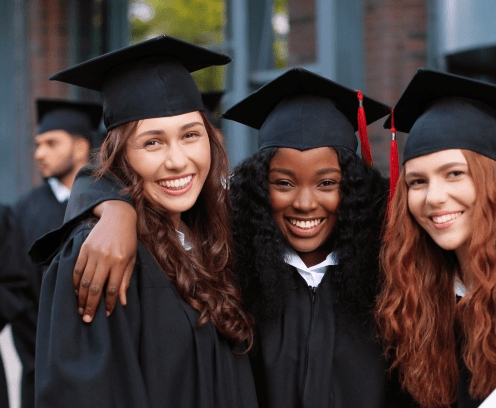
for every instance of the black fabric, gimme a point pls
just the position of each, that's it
(444, 111)
(148, 354)
(88, 194)
(211, 103)
(35, 214)
(307, 359)
(303, 110)
(14, 284)
(145, 80)
(76, 118)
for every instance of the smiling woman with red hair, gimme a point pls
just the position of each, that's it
(438, 304)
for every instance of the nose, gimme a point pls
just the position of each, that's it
(175, 158)
(39, 153)
(437, 193)
(305, 200)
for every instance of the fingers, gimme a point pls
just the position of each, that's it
(85, 283)
(95, 291)
(115, 281)
(79, 268)
(125, 282)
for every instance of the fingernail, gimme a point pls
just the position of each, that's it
(80, 311)
(108, 313)
(87, 318)
(77, 292)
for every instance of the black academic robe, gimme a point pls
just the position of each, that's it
(148, 354)
(308, 358)
(36, 213)
(14, 283)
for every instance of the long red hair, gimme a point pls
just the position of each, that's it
(417, 311)
(204, 275)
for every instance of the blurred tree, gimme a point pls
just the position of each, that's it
(201, 22)
(280, 28)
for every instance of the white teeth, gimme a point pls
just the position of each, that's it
(445, 218)
(177, 183)
(305, 224)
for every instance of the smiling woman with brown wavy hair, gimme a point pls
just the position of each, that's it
(437, 307)
(181, 340)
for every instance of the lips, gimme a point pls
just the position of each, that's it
(305, 227)
(177, 186)
(445, 219)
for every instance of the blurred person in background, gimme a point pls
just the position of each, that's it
(66, 135)
(13, 284)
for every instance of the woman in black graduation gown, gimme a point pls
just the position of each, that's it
(437, 306)
(308, 214)
(181, 340)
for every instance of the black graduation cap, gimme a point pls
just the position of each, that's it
(211, 102)
(302, 110)
(146, 80)
(75, 117)
(444, 111)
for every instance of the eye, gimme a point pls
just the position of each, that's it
(415, 182)
(151, 143)
(455, 173)
(328, 183)
(282, 183)
(191, 135)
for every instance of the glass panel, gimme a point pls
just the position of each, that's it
(201, 22)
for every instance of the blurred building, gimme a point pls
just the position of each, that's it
(372, 45)
(37, 39)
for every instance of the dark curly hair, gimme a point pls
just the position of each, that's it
(260, 246)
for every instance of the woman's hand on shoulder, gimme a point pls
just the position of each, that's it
(109, 253)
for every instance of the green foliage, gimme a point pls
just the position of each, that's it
(198, 21)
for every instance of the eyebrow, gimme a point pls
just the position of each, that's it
(157, 132)
(319, 172)
(438, 170)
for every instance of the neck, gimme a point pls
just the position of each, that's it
(68, 179)
(315, 257)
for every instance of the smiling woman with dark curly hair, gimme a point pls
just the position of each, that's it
(307, 218)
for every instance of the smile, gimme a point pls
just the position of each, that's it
(177, 186)
(305, 227)
(444, 219)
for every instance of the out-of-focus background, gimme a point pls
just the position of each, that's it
(372, 45)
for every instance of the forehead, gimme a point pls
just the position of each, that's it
(168, 122)
(305, 160)
(433, 161)
(53, 135)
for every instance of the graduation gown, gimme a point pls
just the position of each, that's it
(149, 354)
(14, 283)
(35, 213)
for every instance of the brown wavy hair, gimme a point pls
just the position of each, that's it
(417, 311)
(204, 275)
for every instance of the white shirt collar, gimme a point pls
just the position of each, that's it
(184, 243)
(61, 192)
(313, 275)
(460, 289)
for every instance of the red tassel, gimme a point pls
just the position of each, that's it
(394, 166)
(362, 132)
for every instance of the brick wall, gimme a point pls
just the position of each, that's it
(302, 36)
(395, 45)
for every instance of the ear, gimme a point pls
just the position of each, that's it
(82, 150)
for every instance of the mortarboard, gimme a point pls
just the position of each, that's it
(302, 110)
(444, 111)
(76, 118)
(211, 102)
(145, 80)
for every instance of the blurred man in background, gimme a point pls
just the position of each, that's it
(67, 133)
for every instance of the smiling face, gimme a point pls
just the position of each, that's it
(172, 156)
(305, 196)
(441, 197)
